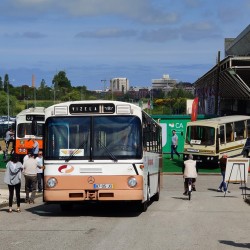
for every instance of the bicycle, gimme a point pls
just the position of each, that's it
(190, 187)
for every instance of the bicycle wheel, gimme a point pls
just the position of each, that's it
(189, 189)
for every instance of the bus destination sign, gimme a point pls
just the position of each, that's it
(92, 108)
(35, 118)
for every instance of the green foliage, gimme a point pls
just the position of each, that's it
(22, 97)
(4, 104)
(60, 80)
(1, 83)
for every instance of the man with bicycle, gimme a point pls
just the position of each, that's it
(189, 171)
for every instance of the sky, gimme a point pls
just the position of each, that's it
(96, 40)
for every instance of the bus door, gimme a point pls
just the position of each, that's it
(221, 138)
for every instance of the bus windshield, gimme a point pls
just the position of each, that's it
(200, 135)
(93, 138)
(24, 129)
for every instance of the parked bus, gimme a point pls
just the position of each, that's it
(101, 151)
(208, 139)
(29, 125)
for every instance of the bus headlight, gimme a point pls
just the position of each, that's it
(51, 182)
(132, 182)
(208, 158)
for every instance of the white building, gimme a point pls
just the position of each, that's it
(165, 83)
(119, 85)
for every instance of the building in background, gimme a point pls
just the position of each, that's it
(166, 84)
(119, 85)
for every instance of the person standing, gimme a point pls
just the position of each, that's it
(40, 168)
(12, 178)
(35, 147)
(9, 137)
(26, 157)
(189, 171)
(30, 175)
(223, 164)
(174, 145)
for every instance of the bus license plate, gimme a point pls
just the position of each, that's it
(104, 186)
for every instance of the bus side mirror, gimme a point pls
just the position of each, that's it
(34, 127)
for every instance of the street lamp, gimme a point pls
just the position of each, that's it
(8, 101)
(104, 86)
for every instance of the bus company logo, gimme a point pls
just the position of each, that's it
(91, 180)
(150, 162)
(66, 169)
(171, 125)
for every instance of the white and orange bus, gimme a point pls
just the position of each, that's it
(101, 151)
(29, 124)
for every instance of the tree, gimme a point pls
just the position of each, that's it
(60, 80)
(1, 83)
(4, 106)
(6, 82)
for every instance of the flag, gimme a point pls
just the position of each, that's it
(194, 109)
(149, 104)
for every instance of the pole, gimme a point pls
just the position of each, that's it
(8, 103)
(54, 93)
(217, 88)
(104, 86)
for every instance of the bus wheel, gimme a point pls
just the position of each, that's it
(66, 207)
(144, 206)
(156, 197)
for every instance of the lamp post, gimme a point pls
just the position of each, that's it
(104, 86)
(8, 103)
(8, 100)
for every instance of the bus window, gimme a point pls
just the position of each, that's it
(229, 132)
(248, 128)
(222, 134)
(239, 129)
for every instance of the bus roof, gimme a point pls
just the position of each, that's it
(219, 120)
(36, 110)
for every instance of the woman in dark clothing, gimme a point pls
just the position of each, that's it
(12, 178)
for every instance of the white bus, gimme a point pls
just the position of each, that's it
(208, 139)
(29, 124)
(101, 151)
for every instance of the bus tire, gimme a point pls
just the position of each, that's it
(143, 206)
(156, 197)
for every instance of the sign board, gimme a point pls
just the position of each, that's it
(237, 170)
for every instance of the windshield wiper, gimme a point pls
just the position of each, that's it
(107, 150)
(76, 150)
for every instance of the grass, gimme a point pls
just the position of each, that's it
(175, 166)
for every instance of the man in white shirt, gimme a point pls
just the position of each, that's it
(40, 168)
(30, 175)
(189, 171)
